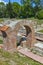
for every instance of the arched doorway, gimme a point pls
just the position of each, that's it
(22, 36)
(29, 32)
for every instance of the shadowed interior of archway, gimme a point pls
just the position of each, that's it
(28, 30)
(4, 34)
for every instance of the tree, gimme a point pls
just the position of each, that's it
(24, 10)
(2, 9)
(9, 9)
(40, 14)
(37, 2)
(16, 9)
(37, 7)
(27, 8)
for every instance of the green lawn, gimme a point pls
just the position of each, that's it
(1, 42)
(1, 20)
(15, 59)
(41, 31)
(33, 19)
(39, 22)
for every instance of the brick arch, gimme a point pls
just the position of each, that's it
(29, 32)
(11, 39)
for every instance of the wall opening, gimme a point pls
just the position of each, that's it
(22, 35)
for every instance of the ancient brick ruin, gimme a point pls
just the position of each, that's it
(9, 33)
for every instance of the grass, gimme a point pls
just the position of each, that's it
(1, 42)
(16, 58)
(41, 31)
(39, 22)
(1, 20)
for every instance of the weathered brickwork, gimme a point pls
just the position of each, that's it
(11, 40)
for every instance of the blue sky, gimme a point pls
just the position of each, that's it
(12, 0)
(5, 1)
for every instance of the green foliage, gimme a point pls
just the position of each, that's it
(9, 9)
(40, 14)
(26, 9)
(16, 9)
(2, 9)
(37, 2)
(23, 10)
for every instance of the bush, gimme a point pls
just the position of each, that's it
(40, 14)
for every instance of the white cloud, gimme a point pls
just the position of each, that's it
(0, 0)
(3, 1)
